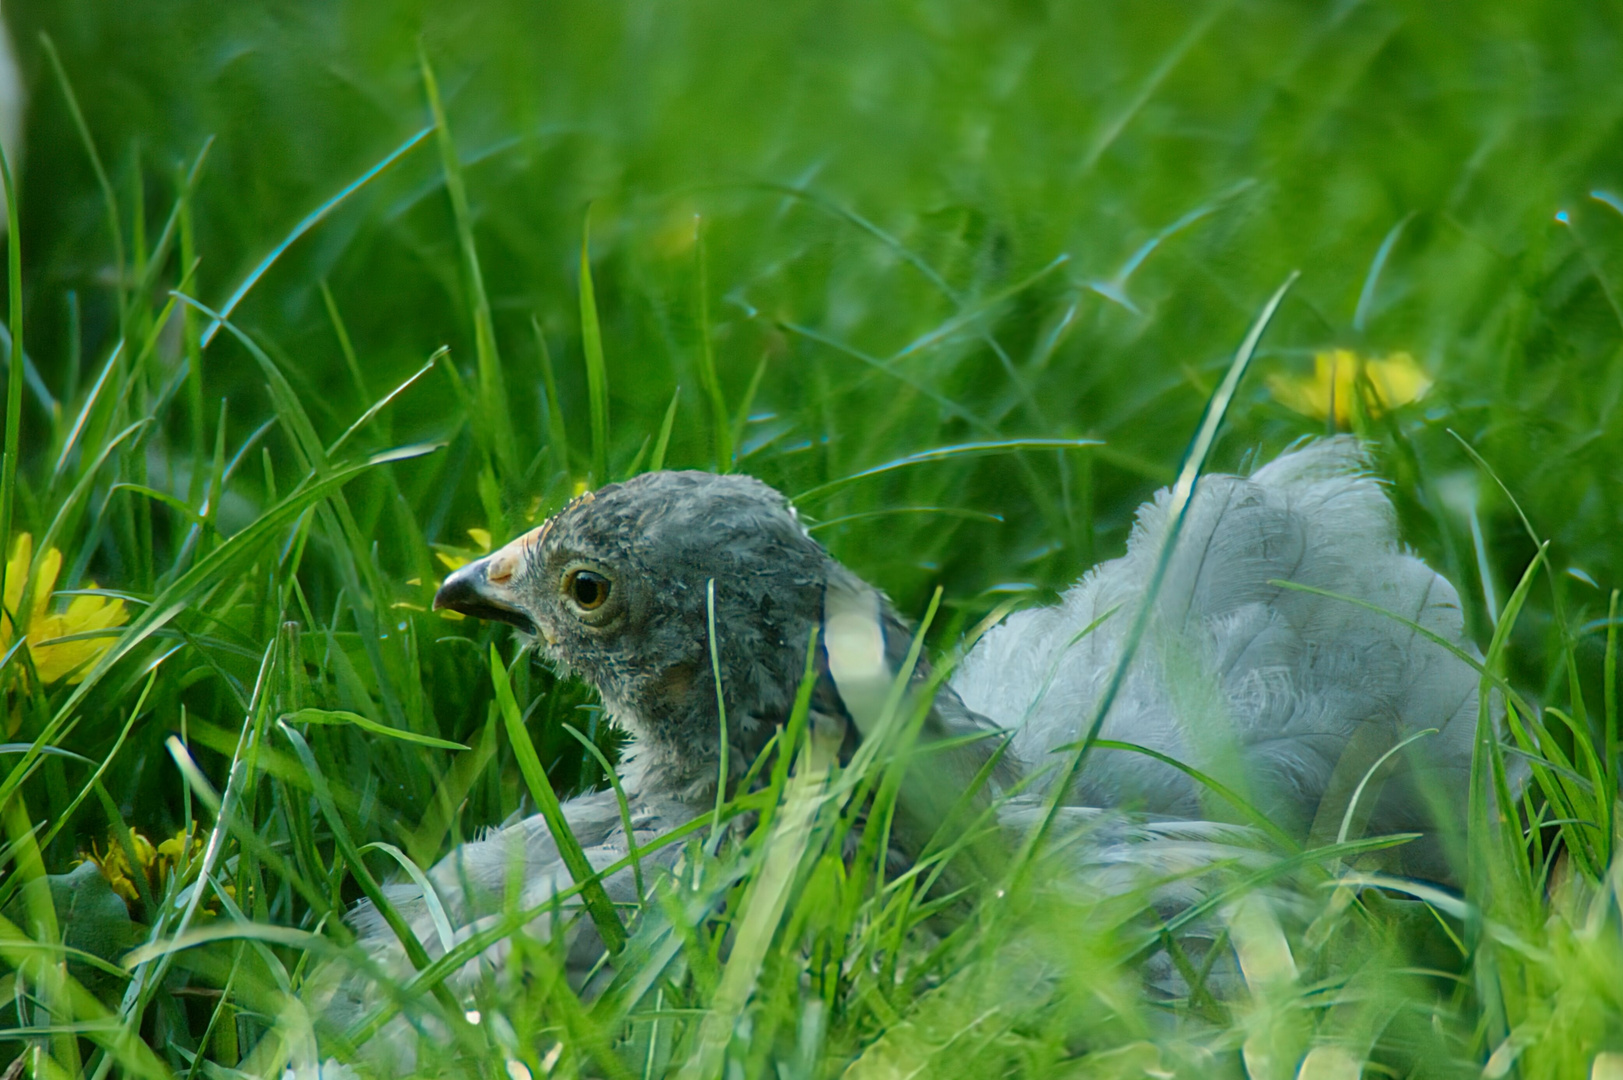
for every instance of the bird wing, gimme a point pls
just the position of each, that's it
(471, 887)
(473, 881)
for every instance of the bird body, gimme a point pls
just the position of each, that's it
(1242, 672)
(1291, 648)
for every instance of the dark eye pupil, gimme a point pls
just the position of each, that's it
(589, 589)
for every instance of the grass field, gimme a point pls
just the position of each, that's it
(321, 299)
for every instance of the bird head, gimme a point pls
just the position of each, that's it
(620, 585)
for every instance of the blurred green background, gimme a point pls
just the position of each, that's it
(923, 225)
(978, 141)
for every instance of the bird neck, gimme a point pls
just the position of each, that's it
(651, 763)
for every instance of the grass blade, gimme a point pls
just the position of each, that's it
(943, 453)
(1183, 491)
(761, 913)
(310, 221)
(1611, 743)
(619, 796)
(108, 198)
(557, 434)
(597, 378)
(14, 377)
(369, 884)
(723, 772)
(431, 896)
(656, 462)
(345, 346)
(593, 894)
(492, 422)
(383, 402)
(341, 716)
(721, 422)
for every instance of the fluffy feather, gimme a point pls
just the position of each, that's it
(1281, 694)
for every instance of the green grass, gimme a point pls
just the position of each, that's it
(961, 277)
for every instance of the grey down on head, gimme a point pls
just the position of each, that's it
(1286, 696)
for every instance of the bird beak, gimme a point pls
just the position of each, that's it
(484, 589)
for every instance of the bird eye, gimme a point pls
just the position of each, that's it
(586, 588)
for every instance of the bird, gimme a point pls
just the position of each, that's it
(1290, 653)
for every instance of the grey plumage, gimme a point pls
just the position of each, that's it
(1268, 688)
(660, 541)
(1279, 693)
(667, 546)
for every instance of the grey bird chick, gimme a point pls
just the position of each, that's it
(1299, 700)
(1288, 696)
(618, 589)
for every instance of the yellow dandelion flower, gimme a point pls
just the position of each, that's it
(173, 856)
(456, 560)
(118, 880)
(145, 853)
(178, 857)
(115, 866)
(55, 658)
(173, 849)
(1396, 379)
(22, 555)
